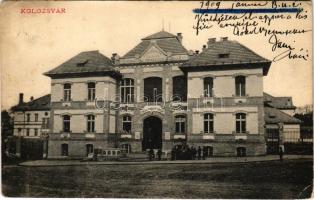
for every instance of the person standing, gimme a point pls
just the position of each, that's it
(204, 153)
(199, 152)
(173, 153)
(280, 154)
(151, 154)
(159, 154)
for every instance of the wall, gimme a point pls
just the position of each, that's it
(224, 82)
(225, 121)
(78, 120)
(105, 88)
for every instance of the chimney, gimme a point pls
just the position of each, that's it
(180, 37)
(211, 40)
(115, 58)
(21, 98)
(224, 38)
(196, 52)
(204, 47)
(32, 98)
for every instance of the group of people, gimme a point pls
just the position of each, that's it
(184, 152)
(180, 152)
(151, 154)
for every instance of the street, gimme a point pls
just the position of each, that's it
(271, 179)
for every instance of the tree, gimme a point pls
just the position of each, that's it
(6, 129)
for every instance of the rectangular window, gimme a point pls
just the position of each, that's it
(179, 88)
(27, 132)
(91, 91)
(28, 117)
(36, 117)
(67, 92)
(240, 85)
(66, 124)
(127, 90)
(208, 123)
(35, 132)
(208, 87)
(45, 123)
(180, 124)
(127, 124)
(240, 123)
(91, 123)
(64, 149)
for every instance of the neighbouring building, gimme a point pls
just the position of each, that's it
(160, 95)
(31, 126)
(282, 129)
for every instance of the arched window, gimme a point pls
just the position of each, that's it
(240, 123)
(127, 123)
(153, 89)
(240, 85)
(209, 123)
(180, 121)
(67, 92)
(179, 88)
(64, 149)
(127, 90)
(208, 87)
(90, 123)
(66, 123)
(91, 87)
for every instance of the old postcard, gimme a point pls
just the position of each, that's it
(162, 99)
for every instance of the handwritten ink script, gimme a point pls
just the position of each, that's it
(263, 18)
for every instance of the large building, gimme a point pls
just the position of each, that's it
(159, 95)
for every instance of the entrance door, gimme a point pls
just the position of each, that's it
(152, 129)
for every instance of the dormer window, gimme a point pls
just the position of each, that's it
(223, 55)
(82, 63)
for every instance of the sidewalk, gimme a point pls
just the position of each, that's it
(38, 163)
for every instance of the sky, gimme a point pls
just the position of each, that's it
(31, 44)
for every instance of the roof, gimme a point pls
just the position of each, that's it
(41, 103)
(279, 102)
(164, 40)
(226, 52)
(161, 34)
(84, 62)
(274, 116)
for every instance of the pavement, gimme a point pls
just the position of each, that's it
(39, 163)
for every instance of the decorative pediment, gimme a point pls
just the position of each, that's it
(153, 53)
